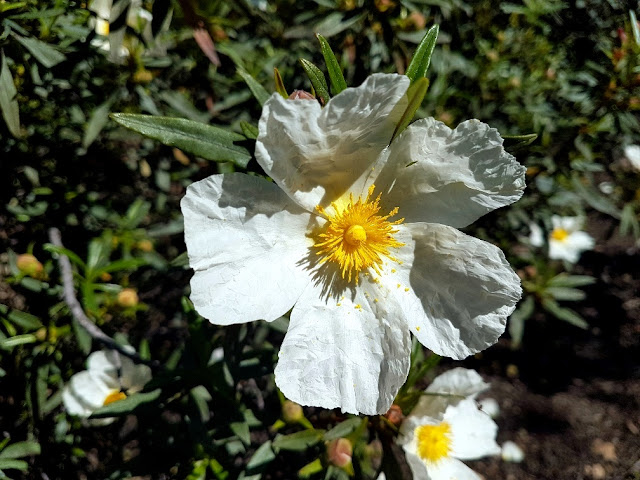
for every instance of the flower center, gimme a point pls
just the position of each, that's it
(114, 396)
(434, 441)
(356, 237)
(559, 234)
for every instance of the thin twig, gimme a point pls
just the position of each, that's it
(76, 309)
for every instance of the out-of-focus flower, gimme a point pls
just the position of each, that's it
(127, 297)
(339, 453)
(109, 377)
(361, 238)
(447, 427)
(632, 153)
(292, 412)
(489, 406)
(511, 452)
(566, 239)
(30, 265)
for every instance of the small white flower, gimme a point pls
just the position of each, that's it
(511, 452)
(445, 429)
(490, 407)
(109, 377)
(360, 238)
(567, 241)
(632, 153)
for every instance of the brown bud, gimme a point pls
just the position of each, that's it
(127, 297)
(301, 95)
(395, 415)
(339, 452)
(29, 265)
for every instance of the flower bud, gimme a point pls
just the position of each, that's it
(394, 415)
(291, 412)
(29, 265)
(127, 297)
(301, 95)
(339, 452)
(145, 245)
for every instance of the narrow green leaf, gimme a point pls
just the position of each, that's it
(297, 442)
(317, 80)
(518, 319)
(311, 469)
(241, 430)
(263, 456)
(416, 94)
(42, 52)
(98, 120)
(422, 57)
(629, 221)
(5, 7)
(280, 88)
(8, 463)
(513, 143)
(8, 102)
(127, 405)
(634, 27)
(338, 84)
(258, 90)
(206, 141)
(22, 319)
(21, 449)
(9, 343)
(565, 314)
(566, 280)
(343, 428)
(594, 198)
(564, 293)
(250, 131)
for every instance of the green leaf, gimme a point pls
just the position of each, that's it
(42, 52)
(297, 442)
(594, 199)
(629, 221)
(344, 428)
(416, 93)
(241, 430)
(514, 143)
(422, 57)
(258, 90)
(336, 77)
(9, 343)
(8, 463)
(97, 121)
(280, 88)
(206, 141)
(21, 449)
(311, 469)
(8, 102)
(127, 405)
(634, 27)
(263, 456)
(22, 319)
(317, 80)
(517, 319)
(5, 7)
(564, 293)
(566, 280)
(565, 314)
(250, 131)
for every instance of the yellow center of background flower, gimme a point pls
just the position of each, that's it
(559, 234)
(114, 397)
(356, 237)
(434, 441)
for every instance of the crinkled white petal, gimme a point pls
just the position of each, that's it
(354, 355)
(247, 244)
(451, 469)
(133, 377)
(315, 154)
(473, 432)
(455, 291)
(453, 177)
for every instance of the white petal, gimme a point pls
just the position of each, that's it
(354, 355)
(316, 154)
(133, 377)
(419, 467)
(104, 362)
(452, 469)
(632, 152)
(89, 389)
(455, 291)
(560, 250)
(490, 406)
(570, 224)
(438, 175)
(246, 242)
(580, 241)
(536, 238)
(458, 381)
(511, 452)
(74, 405)
(473, 433)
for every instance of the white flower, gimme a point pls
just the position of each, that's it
(632, 153)
(109, 377)
(566, 240)
(444, 429)
(511, 452)
(490, 406)
(360, 238)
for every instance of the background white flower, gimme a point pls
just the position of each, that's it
(566, 239)
(632, 153)
(360, 238)
(446, 427)
(511, 452)
(109, 377)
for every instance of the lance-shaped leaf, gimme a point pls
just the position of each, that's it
(206, 141)
(127, 405)
(280, 88)
(422, 58)
(513, 143)
(8, 102)
(258, 90)
(338, 83)
(42, 52)
(416, 94)
(317, 80)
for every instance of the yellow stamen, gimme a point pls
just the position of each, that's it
(114, 396)
(434, 441)
(356, 238)
(559, 234)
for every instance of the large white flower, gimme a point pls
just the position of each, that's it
(360, 238)
(446, 427)
(109, 377)
(566, 240)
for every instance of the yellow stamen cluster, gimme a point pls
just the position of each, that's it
(434, 441)
(559, 234)
(114, 396)
(356, 237)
